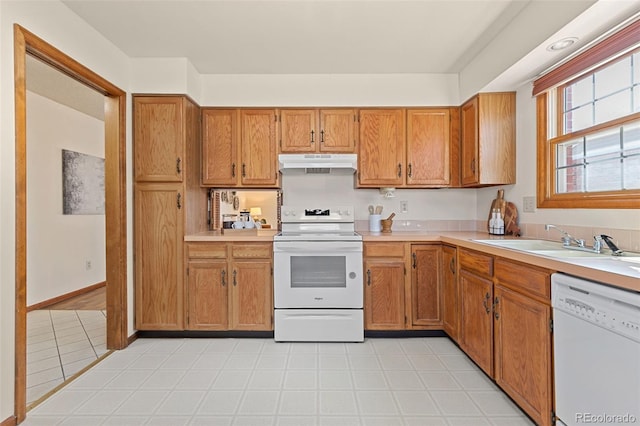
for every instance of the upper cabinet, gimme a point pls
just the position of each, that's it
(488, 127)
(239, 148)
(381, 147)
(317, 130)
(220, 147)
(412, 148)
(159, 138)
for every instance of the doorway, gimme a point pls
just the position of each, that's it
(26, 43)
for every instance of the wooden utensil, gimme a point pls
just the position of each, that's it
(391, 216)
(511, 220)
(500, 204)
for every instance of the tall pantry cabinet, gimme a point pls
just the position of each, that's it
(168, 203)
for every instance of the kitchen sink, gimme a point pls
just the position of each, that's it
(526, 245)
(566, 253)
(541, 247)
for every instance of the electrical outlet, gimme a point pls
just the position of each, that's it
(529, 204)
(87, 265)
(404, 207)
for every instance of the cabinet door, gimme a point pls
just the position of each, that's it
(338, 130)
(258, 148)
(207, 290)
(158, 227)
(220, 147)
(384, 307)
(450, 306)
(426, 285)
(158, 138)
(298, 130)
(428, 157)
(469, 167)
(381, 147)
(476, 321)
(523, 352)
(251, 300)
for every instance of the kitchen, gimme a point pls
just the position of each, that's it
(471, 204)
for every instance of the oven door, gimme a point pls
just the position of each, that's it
(317, 274)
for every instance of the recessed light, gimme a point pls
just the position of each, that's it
(561, 44)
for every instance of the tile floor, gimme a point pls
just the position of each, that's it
(413, 381)
(59, 344)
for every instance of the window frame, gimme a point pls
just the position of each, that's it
(549, 105)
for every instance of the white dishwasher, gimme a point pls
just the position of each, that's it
(596, 352)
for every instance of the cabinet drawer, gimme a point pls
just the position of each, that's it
(476, 262)
(251, 251)
(384, 250)
(525, 278)
(207, 251)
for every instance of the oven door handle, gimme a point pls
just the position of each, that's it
(306, 250)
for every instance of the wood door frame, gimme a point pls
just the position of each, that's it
(25, 43)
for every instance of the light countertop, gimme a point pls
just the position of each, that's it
(623, 272)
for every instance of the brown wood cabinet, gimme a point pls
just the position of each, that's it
(428, 148)
(450, 310)
(476, 316)
(159, 138)
(158, 232)
(220, 147)
(381, 147)
(488, 155)
(166, 168)
(229, 286)
(239, 147)
(258, 152)
(318, 130)
(522, 337)
(425, 154)
(384, 286)
(426, 285)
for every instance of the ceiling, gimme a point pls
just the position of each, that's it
(305, 36)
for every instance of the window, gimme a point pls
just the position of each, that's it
(589, 127)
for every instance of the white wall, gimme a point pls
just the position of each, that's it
(330, 90)
(53, 22)
(58, 245)
(424, 204)
(623, 219)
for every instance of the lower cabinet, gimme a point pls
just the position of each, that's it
(229, 286)
(396, 300)
(450, 310)
(505, 327)
(384, 286)
(522, 337)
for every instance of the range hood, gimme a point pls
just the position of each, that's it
(318, 163)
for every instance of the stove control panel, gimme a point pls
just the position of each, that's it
(302, 214)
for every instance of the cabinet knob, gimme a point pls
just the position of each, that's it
(321, 136)
(409, 170)
(178, 165)
(369, 277)
(485, 302)
(235, 282)
(223, 273)
(233, 170)
(399, 170)
(496, 314)
(312, 136)
(415, 260)
(179, 201)
(244, 170)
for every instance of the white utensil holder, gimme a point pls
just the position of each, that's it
(374, 223)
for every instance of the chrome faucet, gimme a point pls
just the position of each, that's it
(566, 237)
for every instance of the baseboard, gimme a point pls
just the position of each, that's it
(404, 333)
(67, 296)
(203, 333)
(9, 421)
(132, 338)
